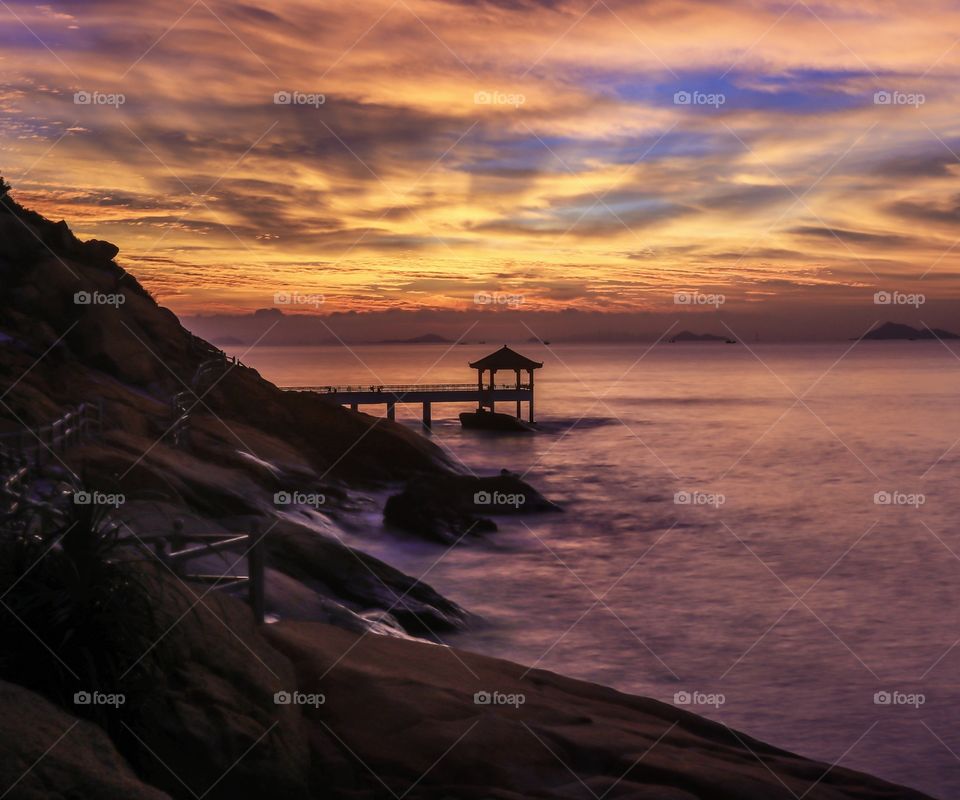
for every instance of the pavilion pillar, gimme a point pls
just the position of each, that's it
(518, 394)
(493, 385)
(427, 421)
(530, 404)
(391, 410)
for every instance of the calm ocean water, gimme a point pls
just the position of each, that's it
(793, 598)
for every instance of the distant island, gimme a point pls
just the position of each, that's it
(896, 330)
(427, 338)
(689, 336)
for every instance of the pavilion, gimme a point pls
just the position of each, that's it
(509, 360)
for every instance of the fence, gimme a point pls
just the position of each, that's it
(203, 347)
(177, 549)
(36, 445)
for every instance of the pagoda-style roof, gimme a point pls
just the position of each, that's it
(505, 358)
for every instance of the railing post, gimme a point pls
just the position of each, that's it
(255, 567)
(160, 550)
(176, 540)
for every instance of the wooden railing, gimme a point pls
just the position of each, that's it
(180, 406)
(177, 549)
(202, 346)
(36, 445)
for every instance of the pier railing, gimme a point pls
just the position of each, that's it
(402, 388)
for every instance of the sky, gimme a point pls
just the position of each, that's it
(581, 161)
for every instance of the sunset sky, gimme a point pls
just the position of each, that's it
(529, 148)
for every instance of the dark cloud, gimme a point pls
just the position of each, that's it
(920, 211)
(854, 236)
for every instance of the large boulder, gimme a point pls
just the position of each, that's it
(213, 721)
(409, 718)
(47, 754)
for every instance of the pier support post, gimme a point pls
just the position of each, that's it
(391, 411)
(427, 421)
(354, 406)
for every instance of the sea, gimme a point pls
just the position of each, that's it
(764, 534)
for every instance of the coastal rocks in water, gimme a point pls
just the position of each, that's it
(48, 753)
(447, 507)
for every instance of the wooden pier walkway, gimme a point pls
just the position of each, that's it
(425, 394)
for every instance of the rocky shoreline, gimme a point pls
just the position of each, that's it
(398, 713)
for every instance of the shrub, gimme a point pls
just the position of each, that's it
(76, 611)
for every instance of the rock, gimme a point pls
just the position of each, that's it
(37, 764)
(448, 507)
(362, 580)
(212, 720)
(98, 250)
(408, 713)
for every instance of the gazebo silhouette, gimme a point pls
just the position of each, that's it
(505, 359)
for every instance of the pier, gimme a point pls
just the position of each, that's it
(485, 395)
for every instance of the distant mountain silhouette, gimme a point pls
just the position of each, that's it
(896, 330)
(427, 338)
(689, 336)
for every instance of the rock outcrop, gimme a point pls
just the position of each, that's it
(446, 507)
(45, 752)
(404, 716)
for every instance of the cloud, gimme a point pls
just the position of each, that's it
(854, 236)
(422, 172)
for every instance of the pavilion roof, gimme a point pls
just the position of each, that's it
(505, 358)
